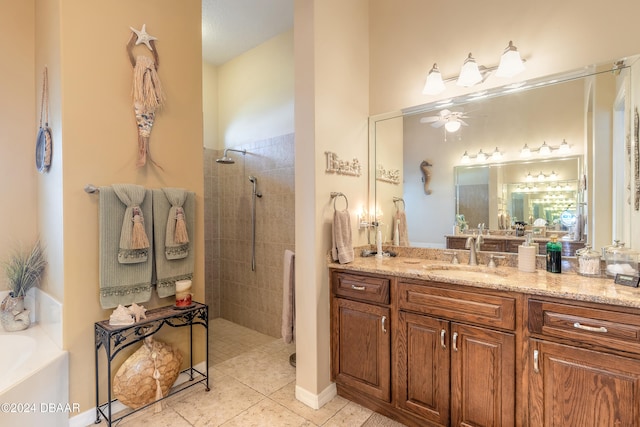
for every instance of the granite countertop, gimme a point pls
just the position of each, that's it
(435, 264)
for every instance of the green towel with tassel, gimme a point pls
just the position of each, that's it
(174, 257)
(122, 283)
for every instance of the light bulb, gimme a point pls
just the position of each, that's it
(481, 157)
(496, 156)
(545, 150)
(452, 125)
(526, 151)
(465, 157)
(564, 147)
(434, 84)
(469, 73)
(510, 62)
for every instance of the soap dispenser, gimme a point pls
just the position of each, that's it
(527, 255)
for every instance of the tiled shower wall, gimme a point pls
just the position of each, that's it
(232, 290)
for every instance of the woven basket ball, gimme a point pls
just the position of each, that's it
(134, 384)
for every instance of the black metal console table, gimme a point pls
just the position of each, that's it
(116, 338)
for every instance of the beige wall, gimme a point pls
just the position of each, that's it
(95, 141)
(408, 36)
(18, 126)
(210, 105)
(331, 109)
(255, 94)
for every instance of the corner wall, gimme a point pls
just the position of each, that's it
(331, 114)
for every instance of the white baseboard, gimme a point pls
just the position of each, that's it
(316, 401)
(89, 417)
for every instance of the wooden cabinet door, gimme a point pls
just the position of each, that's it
(572, 386)
(422, 360)
(482, 377)
(361, 347)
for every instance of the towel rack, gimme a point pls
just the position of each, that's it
(398, 199)
(335, 195)
(91, 189)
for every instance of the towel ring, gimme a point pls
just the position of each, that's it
(399, 199)
(335, 195)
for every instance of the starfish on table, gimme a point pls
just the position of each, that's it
(143, 37)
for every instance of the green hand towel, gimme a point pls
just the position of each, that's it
(122, 283)
(173, 262)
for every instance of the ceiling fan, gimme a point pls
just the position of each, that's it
(451, 120)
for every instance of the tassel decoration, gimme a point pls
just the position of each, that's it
(156, 376)
(139, 238)
(180, 235)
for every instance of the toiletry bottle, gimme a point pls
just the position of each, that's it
(379, 244)
(554, 255)
(396, 233)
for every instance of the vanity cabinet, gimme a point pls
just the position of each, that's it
(360, 334)
(453, 368)
(585, 365)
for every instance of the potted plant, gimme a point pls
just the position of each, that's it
(24, 271)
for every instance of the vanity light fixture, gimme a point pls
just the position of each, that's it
(540, 177)
(545, 149)
(469, 73)
(434, 84)
(481, 157)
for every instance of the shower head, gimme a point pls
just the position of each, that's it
(253, 179)
(226, 160)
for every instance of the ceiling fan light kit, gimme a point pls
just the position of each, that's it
(472, 74)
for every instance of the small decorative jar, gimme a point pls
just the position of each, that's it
(620, 260)
(588, 261)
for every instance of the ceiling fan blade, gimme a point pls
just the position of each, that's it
(463, 122)
(430, 119)
(438, 124)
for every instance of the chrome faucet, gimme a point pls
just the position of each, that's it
(473, 244)
(481, 229)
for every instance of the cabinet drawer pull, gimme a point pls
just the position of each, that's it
(536, 366)
(601, 329)
(442, 342)
(384, 326)
(455, 341)
(358, 288)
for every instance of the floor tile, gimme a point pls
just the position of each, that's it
(227, 398)
(286, 396)
(268, 413)
(351, 415)
(252, 385)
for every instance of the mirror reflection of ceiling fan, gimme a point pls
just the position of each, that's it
(451, 120)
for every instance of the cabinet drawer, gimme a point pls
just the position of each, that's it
(364, 288)
(480, 309)
(587, 325)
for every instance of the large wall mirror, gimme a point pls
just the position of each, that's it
(552, 151)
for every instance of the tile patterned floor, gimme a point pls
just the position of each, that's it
(252, 385)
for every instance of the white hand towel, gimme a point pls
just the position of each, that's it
(403, 234)
(342, 249)
(288, 298)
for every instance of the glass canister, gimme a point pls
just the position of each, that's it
(588, 261)
(620, 260)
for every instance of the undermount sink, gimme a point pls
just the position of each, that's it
(464, 270)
